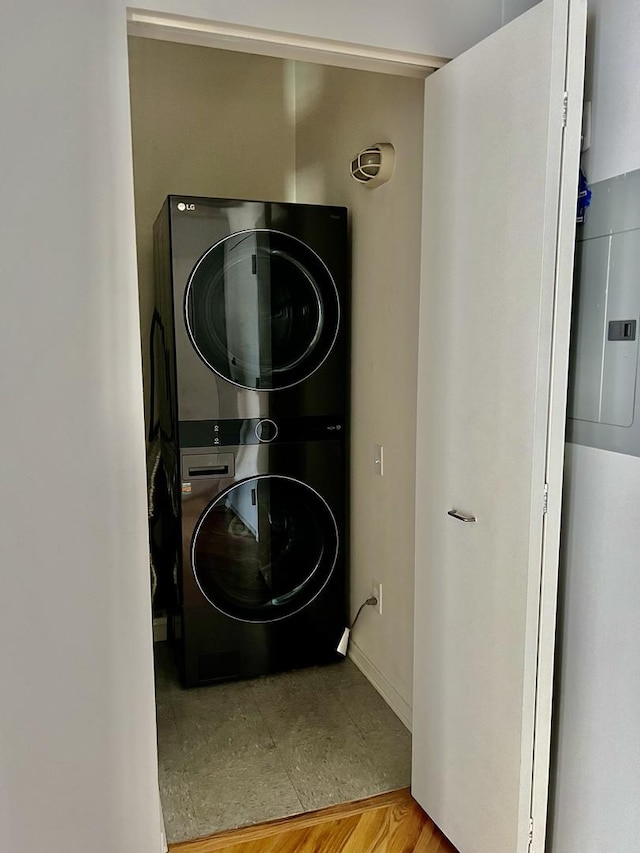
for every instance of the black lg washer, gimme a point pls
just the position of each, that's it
(263, 557)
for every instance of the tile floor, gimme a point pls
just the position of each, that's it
(244, 752)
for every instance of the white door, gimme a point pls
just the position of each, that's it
(499, 213)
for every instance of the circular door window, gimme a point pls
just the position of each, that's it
(262, 309)
(264, 549)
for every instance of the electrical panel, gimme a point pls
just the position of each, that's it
(604, 404)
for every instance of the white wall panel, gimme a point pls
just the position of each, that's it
(438, 27)
(613, 85)
(78, 767)
(598, 763)
(512, 8)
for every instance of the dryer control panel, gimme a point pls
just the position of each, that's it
(242, 431)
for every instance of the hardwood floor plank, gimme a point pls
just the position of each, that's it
(331, 838)
(390, 823)
(405, 836)
(431, 840)
(393, 829)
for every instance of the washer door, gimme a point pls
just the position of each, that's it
(262, 309)
(264, 549)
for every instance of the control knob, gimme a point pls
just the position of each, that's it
(266, 430)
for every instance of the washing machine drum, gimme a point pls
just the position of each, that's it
(264, 549)
(262, 309)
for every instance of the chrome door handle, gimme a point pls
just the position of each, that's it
(454, 513)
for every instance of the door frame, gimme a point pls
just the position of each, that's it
(163, 26)
(555, 443)
(281, 45)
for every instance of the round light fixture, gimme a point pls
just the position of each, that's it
(373, 166)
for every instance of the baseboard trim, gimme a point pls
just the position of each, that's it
(396, 702)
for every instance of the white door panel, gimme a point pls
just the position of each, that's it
(494, 148)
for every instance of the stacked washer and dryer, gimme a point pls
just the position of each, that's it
(249, 388)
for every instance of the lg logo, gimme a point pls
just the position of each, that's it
(183, 206)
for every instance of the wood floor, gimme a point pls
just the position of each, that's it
(389, 823)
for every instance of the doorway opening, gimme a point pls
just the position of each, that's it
(235, 124)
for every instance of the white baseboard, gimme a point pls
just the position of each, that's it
(159, 629)
(164, 847)
(394, 700)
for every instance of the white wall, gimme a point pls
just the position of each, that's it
(78, 766)
(438, 27)
(76, 718)
(512, 8)
(597, 778)
(613, 85)
(598, 763)
(338, 113)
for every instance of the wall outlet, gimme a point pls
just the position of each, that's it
(376, 590)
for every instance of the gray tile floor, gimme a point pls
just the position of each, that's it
(244, 752)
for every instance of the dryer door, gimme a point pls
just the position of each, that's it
(262, 309)
(264, 549)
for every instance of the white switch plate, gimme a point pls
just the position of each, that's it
(376, 592)
(378, 459)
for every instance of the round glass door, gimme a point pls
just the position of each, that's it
(264, 549)
(262, 309)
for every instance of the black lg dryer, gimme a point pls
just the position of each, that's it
(257, 297)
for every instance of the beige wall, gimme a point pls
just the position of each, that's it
(208, 122)
(339, 112)
(204, 122)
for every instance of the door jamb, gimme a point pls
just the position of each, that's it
(256, 40)
(558, 384)
(281, 45)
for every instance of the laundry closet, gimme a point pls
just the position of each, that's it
(222, 124)
(461, 272)
(486, 350)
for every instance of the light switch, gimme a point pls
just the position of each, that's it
(622, 330)
(378, 459)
